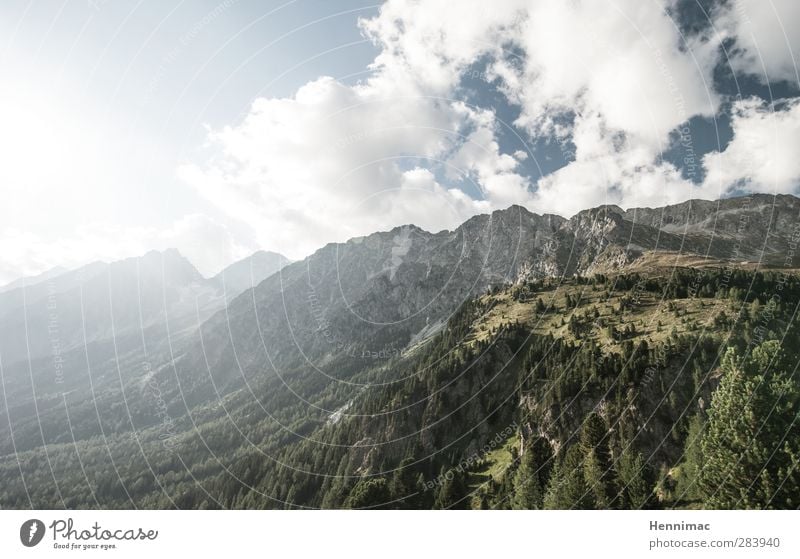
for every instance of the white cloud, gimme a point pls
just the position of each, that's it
(336, 161)
(766, 37)
(763, 154)
(613, 79)
(622, 60)
(333, 161)
(431, 43)
(608, 169)
(621, 73)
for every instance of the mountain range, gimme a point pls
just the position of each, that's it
(383, 291)
(146, 349)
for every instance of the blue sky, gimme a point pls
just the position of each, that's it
(221, 126)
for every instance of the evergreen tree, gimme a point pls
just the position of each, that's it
(635, 480)
(692, 465)
(751, 447)
(403, 485)
(597, 460)
(452, 492)
(567, 488)
(531, 476)
(369, 493)
(424, 497)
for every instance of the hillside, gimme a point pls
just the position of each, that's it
(504, 376)
(390, 289)
(424, 370)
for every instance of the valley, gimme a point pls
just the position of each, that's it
(520, 361)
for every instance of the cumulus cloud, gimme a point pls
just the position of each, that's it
(610, 82)
(624, 60)
(623, 77)
(613, 79)
(609, 169)
(763, 153)
(337, 161)
(431, 43)
(765, 35)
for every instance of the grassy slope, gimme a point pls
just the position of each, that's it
(653, 317)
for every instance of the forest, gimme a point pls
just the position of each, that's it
(629, 391)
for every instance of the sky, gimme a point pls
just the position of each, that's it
(220, 127)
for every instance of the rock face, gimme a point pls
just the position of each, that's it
(370, 294)
(758, 227)
(377, 293)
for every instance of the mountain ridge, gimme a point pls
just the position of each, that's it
(383, 290)
(399, 345)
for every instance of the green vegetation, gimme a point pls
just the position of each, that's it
(751, 446)
(623, 392)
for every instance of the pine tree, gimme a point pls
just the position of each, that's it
(531, 476)
(751, 447)
(692, 465)
(635, 481)
(567, 488)
(452, 492)
(424, 497)
(403, 484)
(597, 460)
(369, 493)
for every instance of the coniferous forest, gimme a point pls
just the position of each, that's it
(609, 391)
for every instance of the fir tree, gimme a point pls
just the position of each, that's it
(369, 493)
(751, 447)
(453, 490)
(531, 476)
(692, 465)
(567, 488)
(635, 481)
(597, 460)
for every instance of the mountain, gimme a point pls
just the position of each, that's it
(366, 372)
(372, 293)
(103, 302)
(249, 272)
(160, 294)
(391, 290)
(758, 227)
(33, 280)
